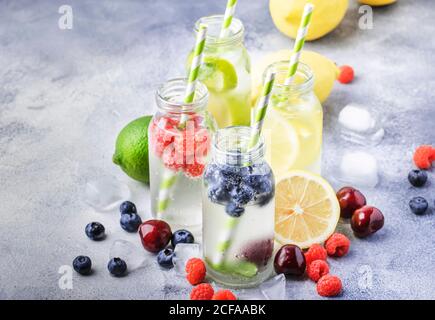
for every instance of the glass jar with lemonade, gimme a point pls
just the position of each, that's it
(226, 71)
(294, 122)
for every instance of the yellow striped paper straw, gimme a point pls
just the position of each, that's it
(299, 43)
(228, 18)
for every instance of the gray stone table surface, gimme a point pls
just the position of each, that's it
(65, 94)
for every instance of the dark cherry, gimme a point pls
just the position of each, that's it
(350, 199)
(290, 260)
(366, 221)
(155, 235)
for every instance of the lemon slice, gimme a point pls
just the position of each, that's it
(282, 142)
(306, 210)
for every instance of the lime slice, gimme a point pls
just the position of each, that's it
(243, 268)
(216, 73)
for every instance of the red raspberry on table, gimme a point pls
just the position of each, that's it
(195, 271)
(315, 252)
(423, 156)
(337, 245)
(329, 286)
(203, 291)
(224, 295)
(346, 74)
(317, 269)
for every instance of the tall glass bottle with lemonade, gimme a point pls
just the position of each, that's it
(294, 122)
(226, 71)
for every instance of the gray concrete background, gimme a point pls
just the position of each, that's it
(65, 94)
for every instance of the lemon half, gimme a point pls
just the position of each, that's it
(306, 210)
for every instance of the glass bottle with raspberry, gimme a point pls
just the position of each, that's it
(179, 144)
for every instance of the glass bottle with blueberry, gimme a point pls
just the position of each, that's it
(179, 143)
(238, 210)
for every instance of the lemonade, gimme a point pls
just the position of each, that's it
(178, 153)
(226, 72)
(238, 211)
(294, 122)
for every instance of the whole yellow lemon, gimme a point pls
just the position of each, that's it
(327, 15)
(325, 71)
(377, 2)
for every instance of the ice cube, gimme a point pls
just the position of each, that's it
(132, 255)
(250, 294)
(274, 288)
(360, 126)
(182, 253)
(105, 192)
(359, 168)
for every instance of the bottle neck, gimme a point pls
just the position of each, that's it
(170, 96)
(230, 147)
(302, 84)
(213, 41)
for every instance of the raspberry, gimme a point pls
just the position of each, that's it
(329, 286)
(346, 74)
(224, 295)
(423, 156)
(194, 170)
(317, 269)
(315, 252)
(337, 245)
(195, 271)
(203, 291)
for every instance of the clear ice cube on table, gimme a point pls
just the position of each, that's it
(359, 169)
(182, 253)
(274, 288)
(359, 125)
(105, 192)
(133, 256)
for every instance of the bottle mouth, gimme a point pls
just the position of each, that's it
(214, 23)
(170, 96)
(303, 81)
(230, 146)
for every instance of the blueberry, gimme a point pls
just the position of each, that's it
(130, 222)
(117, 267)
(82, 264)
(127, 207)
(95, 231)
(234, 210)
(417, 177)
(218, 194)
(418, 205)
(182, 236)
(211, 174)
(164, 258)
(264, 198)
(242, 195)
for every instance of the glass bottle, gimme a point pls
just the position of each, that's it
(226, 71)
(238, 204)
(179, 144)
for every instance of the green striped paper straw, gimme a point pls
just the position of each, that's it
(194, 68)
(228, 18)
(299, 43)
(170, 177)
(231, 223)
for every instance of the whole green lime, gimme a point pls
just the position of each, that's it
(131, 151)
